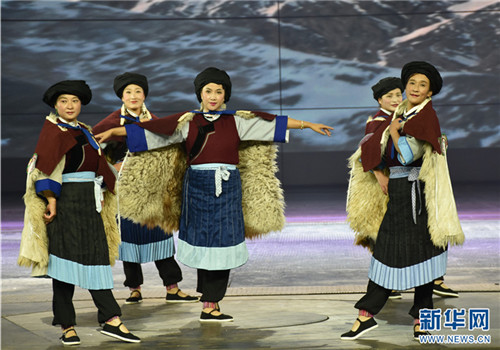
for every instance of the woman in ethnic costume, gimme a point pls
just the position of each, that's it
(212, 225)
(68, 173)
(388, 92)
(410, 231)
(140, 244)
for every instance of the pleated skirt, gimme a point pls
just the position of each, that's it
(78, 249)
(404, 255)
(212, 232)
(141, 244)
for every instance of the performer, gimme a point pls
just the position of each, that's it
(218, 209)
(388, 92)
(69, 234)
(410, 230)
(140, 244)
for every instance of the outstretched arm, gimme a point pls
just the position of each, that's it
(301, 124)
(106, 135)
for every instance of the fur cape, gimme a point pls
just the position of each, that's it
(366, 204)
(34, 248)
(150, 185)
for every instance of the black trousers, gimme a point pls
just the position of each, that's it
(168, 268)
(64, 311)
(376, 296)
(212, 284)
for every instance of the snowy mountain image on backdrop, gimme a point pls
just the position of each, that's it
(312, 60)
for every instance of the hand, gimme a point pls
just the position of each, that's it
(104, 136)
(321, 129)
(118, 166)
(50, 211)
(396, 124)
(383, 180)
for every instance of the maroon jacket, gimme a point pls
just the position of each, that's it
(54, 143)
(423, 126)
(223, 145)
(113, 121)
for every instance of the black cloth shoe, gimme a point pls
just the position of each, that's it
(417, 334)
(74, 340)
(209, 317)
(115, 332)
(364, 327)
(395, 295)
(444, 291)
(135, 297)
(176, 298)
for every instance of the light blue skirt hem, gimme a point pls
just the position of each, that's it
(408, 277)
(143, 253)
(92, 277)
(218, 258)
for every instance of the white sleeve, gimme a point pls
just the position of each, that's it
(258, 129)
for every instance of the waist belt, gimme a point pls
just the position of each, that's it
(88, 176)
(221, 173)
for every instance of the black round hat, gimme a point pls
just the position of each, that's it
(426, 69)
(127, 78)
(213, 75)
(72, 87)
(385, 85)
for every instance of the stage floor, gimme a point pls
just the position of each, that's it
(297, 290)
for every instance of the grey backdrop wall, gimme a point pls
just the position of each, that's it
(312, 60)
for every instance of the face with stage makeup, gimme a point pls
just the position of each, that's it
(418, 88)
(68, 107)
(212, 97)
(391, 100)
(133, 97)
